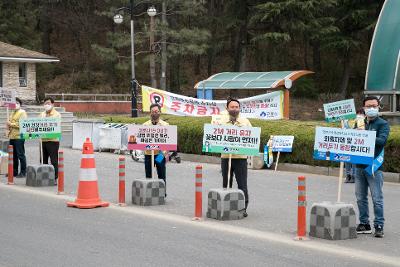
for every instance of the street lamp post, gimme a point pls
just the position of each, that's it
(151, 11)
(118, 19)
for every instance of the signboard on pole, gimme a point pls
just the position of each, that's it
(340, 110)
(152, 137)
(7, 98)
(228, 139)
(344, 145)
(34, 128)
(282, 143)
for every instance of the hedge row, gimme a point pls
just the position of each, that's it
(190, 133)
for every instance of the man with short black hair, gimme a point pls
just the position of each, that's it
(50, 147)
(238, 162)
(17, 143)
(371, 176)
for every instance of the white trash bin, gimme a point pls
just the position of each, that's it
(81, 129)
(113, 136)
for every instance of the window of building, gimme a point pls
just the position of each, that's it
(22, 75)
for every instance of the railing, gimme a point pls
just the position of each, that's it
(67, 97)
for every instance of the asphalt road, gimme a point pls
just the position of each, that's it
(39, 230)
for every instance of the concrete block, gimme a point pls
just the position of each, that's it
(333, 221)
(225, 204)
(40, 175)
(148, 192)
(256, 162)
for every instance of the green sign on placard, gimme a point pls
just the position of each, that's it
(340, 110)
(34, 128)
(231, 139)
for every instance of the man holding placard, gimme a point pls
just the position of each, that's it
(50, 146)
(371, 175)
(15, 139)
(238, 162)
(159, 156)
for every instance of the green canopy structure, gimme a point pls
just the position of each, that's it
(383, 70)
(279, 80)
(251, 80)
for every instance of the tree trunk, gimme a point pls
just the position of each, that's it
(197, 65)
(211, 49)
(45, 27)
(175, 82)
(241, 39)
(243, 60)
(346, 74)
(316, 57)
(305, 58)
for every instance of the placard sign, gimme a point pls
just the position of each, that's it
(152, 137)
(228, 139)
(34, 128)
(7, 98)
(282, 143)
(344, 145)
(340, 110)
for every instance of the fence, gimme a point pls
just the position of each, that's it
(67, 97)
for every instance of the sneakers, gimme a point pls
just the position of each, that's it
(245, 214)
(21, 175)
(379, 231)
(363, 229)
(349, 179)
(366, 229)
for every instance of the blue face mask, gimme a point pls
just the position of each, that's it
(371, 112)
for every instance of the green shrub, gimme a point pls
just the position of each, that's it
(190, 133)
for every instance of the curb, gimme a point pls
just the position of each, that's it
(289, 167)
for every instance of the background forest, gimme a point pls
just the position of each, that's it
(195, 39)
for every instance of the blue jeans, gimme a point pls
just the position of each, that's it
(375, 183)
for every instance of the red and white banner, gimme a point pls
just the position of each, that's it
(266, 106)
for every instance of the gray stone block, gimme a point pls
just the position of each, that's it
(148, 192)
(40, 175)
(333, 221)
(225, 204)
(256, 162)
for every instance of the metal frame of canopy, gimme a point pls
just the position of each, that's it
(276, 80)
(383, 69)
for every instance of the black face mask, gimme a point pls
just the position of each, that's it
(233, 113)
(155, 117)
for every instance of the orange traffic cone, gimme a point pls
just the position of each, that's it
(88, 190)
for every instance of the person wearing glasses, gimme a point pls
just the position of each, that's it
(371, 175)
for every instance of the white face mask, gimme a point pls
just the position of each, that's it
(360, 117)
(48, 107)
(372, 112)
(17, 106)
